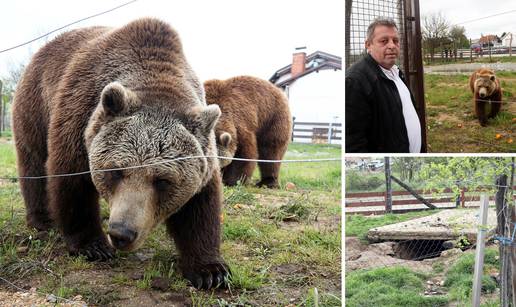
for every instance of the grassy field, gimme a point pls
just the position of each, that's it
(451, 123)
(402, 286)
(484, 59)
(283, 247)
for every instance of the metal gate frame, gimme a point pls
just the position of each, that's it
(411, 55)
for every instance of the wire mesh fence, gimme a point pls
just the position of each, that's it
(360, 13)
(442, 245)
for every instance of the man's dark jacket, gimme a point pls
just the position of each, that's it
(374, 114)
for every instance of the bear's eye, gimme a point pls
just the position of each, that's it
(162, 184)
(114, 175)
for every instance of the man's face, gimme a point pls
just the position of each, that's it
(384, 46)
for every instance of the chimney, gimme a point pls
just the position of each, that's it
(298, 62)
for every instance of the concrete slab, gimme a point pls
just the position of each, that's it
(445, 225)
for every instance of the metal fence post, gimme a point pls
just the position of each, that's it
(293, 127)
(479, 252)
(329, 132)
(1, 109)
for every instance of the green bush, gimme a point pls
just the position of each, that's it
(359, 181)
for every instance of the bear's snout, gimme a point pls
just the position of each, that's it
(120, 236)
(482, 92)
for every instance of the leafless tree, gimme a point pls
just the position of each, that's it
(435, 31)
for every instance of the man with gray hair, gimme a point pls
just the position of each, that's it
(380, 112)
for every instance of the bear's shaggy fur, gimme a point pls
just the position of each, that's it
(485, 87)
(100, 98)
(255, 124)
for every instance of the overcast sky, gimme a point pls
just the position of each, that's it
(221, 38)
(457, 11)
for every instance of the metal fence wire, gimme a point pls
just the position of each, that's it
(361, 13)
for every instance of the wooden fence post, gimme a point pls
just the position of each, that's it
(463, 197)
(502, 231)
(388, 186)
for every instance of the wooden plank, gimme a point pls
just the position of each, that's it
(317, 124)
(396, 202)
(375, 194)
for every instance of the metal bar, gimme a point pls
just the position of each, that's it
(479, 251)
(417, 196)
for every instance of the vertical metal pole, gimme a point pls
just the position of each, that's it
(501, 231)
(1, 109)
(293, 126)
(470, 52)
(347, 30)
(479, 252)
(414, 62)
(388, 186)
(329, 132)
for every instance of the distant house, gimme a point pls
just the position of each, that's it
(490, 40)
(314, 85)
(508, 39)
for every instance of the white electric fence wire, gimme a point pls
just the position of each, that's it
(168, 161)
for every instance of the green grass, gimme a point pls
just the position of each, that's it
(459, 278)
(312, 175)
(466, 59)
(263, 230)
(394, 286)
(6, 134)
(358, 225)
(451, 122)
(7, 161)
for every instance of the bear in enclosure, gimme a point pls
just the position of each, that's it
(485, 87)
(255, 124)
(101, 98)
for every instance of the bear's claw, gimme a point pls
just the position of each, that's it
(97, 250)
(215, 275)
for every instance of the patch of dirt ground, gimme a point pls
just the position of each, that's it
(33, 298)
(360, 255)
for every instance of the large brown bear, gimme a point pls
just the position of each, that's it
(486, 88)
(101, 98)
(255, 124)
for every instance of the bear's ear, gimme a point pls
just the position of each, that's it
(492, 77)
(209, 116)
(114, 99)
(225, 139)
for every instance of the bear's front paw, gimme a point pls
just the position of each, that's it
(96, 250)
(207, 276)
(271, 183)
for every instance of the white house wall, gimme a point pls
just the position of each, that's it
(317, 97)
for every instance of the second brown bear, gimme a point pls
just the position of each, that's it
(255, 124)
(486, 90)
